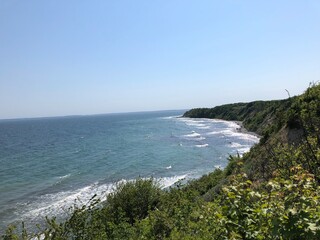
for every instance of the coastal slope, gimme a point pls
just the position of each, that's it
(256, 116)
(288, 123)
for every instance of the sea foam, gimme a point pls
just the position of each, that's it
(169, 181)
(193, 134)
(202, 145)
(58, 204)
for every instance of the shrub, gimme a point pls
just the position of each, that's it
(133, 200)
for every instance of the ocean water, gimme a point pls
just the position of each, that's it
(49, 164)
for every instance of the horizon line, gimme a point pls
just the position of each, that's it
(88, 115)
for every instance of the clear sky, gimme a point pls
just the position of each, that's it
(89, 57)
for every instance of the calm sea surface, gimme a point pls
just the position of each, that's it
(48, 163)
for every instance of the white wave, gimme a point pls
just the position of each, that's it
(62, 178)
(243, 150)
(171, 117)
(204, 127)
(200, 138)
(232, 129)
(193, 134)
(65, 176)
(217, 120)
(234, 133)
(235, 145)
(241, 141)
(200, 123)
(169, 167)
(58, 203)
(250, 137)
(245, 136)
(169, 181)
(214, 133)
(193, 121)
(197, 124)
(231, 124)
(202, 145)
(183, 119)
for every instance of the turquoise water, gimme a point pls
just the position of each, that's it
(48, 163)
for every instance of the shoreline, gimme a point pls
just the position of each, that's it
(242, 129)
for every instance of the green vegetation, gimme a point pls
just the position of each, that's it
(256, 116)
(272, 192)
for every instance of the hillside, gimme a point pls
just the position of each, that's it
(272, 192)
(256, 116)
(281, 123)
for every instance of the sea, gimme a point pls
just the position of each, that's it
(48, 165)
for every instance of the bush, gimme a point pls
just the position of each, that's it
(133, 200)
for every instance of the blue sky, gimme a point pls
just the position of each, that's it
(90, 57)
